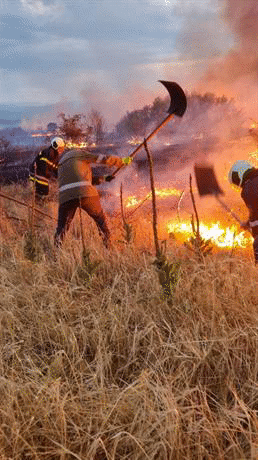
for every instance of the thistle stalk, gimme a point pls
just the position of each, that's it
(154, 208)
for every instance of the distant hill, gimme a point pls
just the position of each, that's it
(11, 115)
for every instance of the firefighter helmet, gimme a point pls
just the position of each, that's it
(57, 142)
(237, 171)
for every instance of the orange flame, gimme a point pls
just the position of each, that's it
(134, 141)
(254, 155)
(162, 193)
(72, 145)
(220, 236)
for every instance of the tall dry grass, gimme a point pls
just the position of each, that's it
(100, 367)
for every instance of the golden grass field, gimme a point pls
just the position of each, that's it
(101, 367)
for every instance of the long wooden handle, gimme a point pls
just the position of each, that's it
(170, 115)
(228, 209)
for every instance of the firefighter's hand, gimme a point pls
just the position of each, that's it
(245, 225)
(109, 178)
(127, 160)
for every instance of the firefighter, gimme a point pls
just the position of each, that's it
(245, 175)
(45, 166)
(76, 188)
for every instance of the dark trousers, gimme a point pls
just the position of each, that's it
(93, 208)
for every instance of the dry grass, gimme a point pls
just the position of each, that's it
(101, 368)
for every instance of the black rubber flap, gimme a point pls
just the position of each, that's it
(206, 181)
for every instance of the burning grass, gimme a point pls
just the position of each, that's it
(163, 193)
(101, 367)
(219, 235)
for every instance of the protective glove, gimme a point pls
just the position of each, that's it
(127, 160)
(109, 178)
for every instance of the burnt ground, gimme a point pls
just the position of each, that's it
(13, 174)
(16, 169)
(172, 166)
(179, 154)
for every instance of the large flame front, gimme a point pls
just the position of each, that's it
(220, 236)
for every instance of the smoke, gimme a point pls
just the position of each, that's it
(224, 54)
(236, 72)
(99, 97)
(226, 49)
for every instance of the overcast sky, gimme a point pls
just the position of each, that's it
(106, 54)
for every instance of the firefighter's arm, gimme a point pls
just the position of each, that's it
(50, 167)
(48, 171)
(118, 162)
(108, 160)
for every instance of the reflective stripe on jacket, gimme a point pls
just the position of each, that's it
(39, 179)
(49, 163)
(75, 175)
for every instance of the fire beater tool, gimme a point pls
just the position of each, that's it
(207, 184)
(178, 104)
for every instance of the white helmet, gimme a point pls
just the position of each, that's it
(57, 142)
(237, 171)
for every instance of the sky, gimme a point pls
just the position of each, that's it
(110, 54)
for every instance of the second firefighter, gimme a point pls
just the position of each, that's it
(45, 166)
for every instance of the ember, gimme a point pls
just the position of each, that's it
(254, 125)
(134, 141)
(222, 237)
(254, 155)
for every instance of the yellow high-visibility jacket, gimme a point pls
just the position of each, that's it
(75, 174)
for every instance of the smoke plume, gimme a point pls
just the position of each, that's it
(236, 73)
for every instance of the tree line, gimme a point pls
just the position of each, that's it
(136, 123)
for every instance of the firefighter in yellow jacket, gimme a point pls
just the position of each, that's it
(76, 189)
